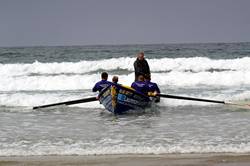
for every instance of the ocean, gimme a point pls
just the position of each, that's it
(32, 76)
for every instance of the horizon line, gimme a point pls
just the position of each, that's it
(141, 44)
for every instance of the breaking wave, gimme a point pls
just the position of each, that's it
(83, 74)
(43, 83)
(196, 64)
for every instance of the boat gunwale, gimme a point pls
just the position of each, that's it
(123, 87)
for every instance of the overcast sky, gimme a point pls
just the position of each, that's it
(87, 22)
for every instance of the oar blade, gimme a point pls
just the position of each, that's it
(239, 104)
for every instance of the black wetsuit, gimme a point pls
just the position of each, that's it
(141, 68)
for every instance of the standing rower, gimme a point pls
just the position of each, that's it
(141, 66)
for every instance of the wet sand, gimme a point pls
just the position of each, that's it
(130, 160)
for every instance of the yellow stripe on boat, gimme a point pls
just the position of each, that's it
(128, 87)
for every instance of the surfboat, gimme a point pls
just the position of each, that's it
(119, 99)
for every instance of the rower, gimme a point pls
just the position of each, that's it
(115, 79)
(103, 83)
(141, 65)
(140, 85)
(153, 87)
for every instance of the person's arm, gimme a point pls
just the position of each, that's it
(132, 85)
(147, 68)
(136, 67)
(95, 88)
(136, 70)
(157, 88)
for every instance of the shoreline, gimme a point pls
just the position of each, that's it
(212, 159)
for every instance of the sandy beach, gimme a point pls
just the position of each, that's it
(128, 160)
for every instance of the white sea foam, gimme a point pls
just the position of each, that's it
(175, 73)
(65, 67)
(60, 82)
(195, 64)
(79, 148)
(179, 79)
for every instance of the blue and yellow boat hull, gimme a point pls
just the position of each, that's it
(119, 99)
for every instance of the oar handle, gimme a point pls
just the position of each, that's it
(190, 98)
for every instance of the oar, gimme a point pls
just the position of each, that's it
(190, 98)
(246, 106)
(85, 100)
